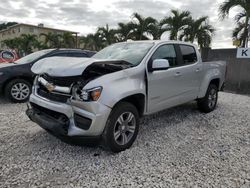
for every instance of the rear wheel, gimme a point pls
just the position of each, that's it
(18, 90)
(122, 127)
(209, 102)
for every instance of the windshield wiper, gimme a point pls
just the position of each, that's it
(122, 62)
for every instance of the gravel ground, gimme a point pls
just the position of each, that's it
(179, 147)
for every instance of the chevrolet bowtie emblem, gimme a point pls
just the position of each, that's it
(50, 87)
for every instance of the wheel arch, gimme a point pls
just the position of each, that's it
(138, 100)
(204, 85)
(28, 79)
(216, 82)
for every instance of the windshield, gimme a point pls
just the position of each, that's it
(31, 57)
(132, 52)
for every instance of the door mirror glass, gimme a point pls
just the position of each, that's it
(160, 64)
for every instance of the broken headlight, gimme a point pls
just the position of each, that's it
(87, 94)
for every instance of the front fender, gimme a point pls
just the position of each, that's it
(119, 85)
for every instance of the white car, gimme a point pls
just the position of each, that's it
(103, 97)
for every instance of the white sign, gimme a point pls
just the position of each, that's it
(243, 53)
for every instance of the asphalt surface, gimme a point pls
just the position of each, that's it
(178, 147)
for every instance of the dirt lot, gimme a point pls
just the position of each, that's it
(179, 147)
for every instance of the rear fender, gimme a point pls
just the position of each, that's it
(210, 75)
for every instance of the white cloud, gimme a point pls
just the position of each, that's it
(85, 16)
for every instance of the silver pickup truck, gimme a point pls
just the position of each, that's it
(103, 97)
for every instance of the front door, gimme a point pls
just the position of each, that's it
(176, 85)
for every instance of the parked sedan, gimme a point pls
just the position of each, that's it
(16, 78)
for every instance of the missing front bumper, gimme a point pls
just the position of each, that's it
(58, 126)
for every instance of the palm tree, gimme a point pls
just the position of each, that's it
(12, 43)
(51, 40)
(225, 8)
(28, 42)
(67, 40)
(92, 42)
(124, 31)
(199, 30)
(238, 32)
(143, 27)
(107, 35)
(176, 23)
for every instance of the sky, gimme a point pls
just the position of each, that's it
(84, 16)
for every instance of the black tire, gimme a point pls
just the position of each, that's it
(22, 97)
(108, 136)
(209, 102)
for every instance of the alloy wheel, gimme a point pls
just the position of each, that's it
(20, 91)
(212, 98)
(124, 128)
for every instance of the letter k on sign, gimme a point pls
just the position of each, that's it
(243, 53)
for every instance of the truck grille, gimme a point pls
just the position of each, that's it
(56, 81)
(43, 92)
(62, 81)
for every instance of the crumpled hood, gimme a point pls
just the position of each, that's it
(62, 66)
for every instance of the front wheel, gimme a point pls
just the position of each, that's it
(122, 127)
(209, 102)
(18, 90)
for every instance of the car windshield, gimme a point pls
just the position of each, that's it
(131, 52)
(31, 57)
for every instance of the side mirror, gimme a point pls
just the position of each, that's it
(160, 64)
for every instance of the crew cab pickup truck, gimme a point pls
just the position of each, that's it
(103, 97)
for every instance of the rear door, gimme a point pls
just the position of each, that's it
(190, 72)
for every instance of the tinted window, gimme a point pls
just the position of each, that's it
(188, 54)
(166, 52)
(77, 54)
(60, 54)
(31, 57)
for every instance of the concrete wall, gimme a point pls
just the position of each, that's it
(238, 70)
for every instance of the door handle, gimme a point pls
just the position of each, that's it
(177, 74)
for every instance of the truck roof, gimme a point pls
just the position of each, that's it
(161, 41)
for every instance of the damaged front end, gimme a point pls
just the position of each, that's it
(60, 89)
(61, 105)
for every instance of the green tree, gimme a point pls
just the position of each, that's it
(68, 40)
(51, 40)
(143, 27)
(124, 31)
(176, 23)
(199, 30)
(224, 10)
(238, 32)
(12, 43)
(8, 24)
(28, 42)
(107, 35)
(92, 42)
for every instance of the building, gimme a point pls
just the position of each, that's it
(19, 29)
